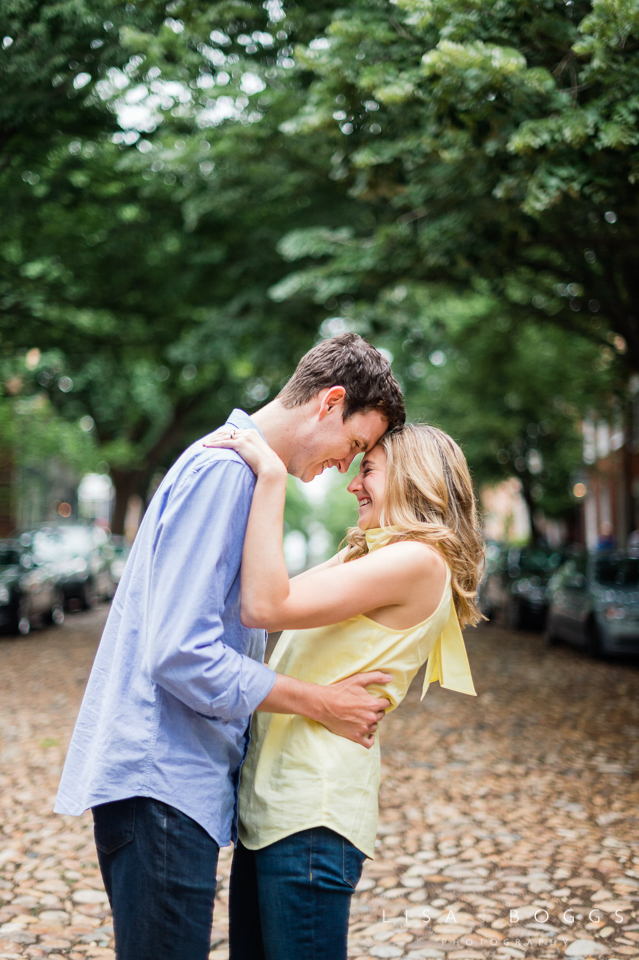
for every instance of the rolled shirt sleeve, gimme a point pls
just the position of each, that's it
(196, 558)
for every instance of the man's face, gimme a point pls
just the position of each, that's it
(332, 441)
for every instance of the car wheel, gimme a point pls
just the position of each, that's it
(550, 633)
(56, 615)
(594, 640)
(516, 619)
(483, 606)
(89, 598)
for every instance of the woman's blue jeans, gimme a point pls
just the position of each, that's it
(291, 900)
(158, 867)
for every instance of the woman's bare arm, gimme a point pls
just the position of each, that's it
(331, 562)
(332, 592)
(390, 577)
(345, 708)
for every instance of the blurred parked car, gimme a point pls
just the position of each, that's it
(29, 593)
(118, 549)
(77, 553)
(595, 603)
(494, 553)
(517, 586)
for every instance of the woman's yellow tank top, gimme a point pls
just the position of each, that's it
(297, 774)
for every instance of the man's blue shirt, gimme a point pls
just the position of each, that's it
(176, 676)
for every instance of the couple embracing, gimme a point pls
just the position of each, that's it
(163, 730)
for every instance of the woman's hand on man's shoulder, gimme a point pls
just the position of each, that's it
(253, 449)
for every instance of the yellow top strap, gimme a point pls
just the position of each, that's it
(378, 537)
(448, 661)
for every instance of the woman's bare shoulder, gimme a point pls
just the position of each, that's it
(418, 554)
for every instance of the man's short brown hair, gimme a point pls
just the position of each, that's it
(347, 361)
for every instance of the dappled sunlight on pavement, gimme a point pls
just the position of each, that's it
(524, 799)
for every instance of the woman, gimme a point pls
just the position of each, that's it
(308, 798)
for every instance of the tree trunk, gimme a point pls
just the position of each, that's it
(535, 533)
(126, 483)
(8, 520)
(129, 482)
(631, 519)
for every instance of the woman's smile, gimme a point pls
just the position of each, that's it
(368, 486)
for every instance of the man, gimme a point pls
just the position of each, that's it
(163, 727)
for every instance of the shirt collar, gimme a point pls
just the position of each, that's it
(239, 418)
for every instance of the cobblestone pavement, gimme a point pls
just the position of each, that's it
(509, 823)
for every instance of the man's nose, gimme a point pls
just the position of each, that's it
(345, 462)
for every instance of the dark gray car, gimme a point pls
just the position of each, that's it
(29, 593)
(594, 603)
(516, 586)
(76, 552)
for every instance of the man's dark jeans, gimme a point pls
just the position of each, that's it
(159, 868)
(291, 900)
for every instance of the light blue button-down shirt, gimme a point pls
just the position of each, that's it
(176, 676)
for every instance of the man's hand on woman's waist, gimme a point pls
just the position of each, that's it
(345, 708)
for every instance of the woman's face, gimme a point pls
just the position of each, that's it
(369, 486)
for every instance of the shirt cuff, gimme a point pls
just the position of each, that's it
(253, 683)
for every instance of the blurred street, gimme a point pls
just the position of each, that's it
(524, 799)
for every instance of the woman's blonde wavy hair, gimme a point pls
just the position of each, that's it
(429, 497)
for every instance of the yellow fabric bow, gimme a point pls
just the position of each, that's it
(448, 661)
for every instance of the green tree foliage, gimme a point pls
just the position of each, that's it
(40, 436)
(52, 56)
(162, 166)
(143, 261)
(513, 393)
(38, 444)
(491, 139)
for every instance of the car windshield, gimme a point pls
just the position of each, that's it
(618, 571)
(62, 544)
(536, 561)
(8, 557)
